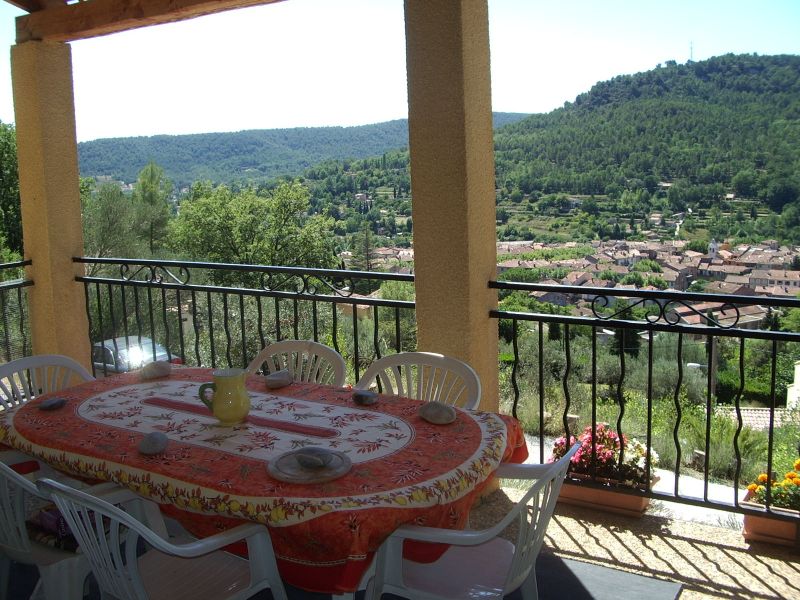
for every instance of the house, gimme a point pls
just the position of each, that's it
(576, 278)
(743, 317)
(776, 277)
(726, 287)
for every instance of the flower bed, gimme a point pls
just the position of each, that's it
(784, 500)
(772, 531)
(630, 472)
(605, 498)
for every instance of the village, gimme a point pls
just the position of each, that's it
(764, 269)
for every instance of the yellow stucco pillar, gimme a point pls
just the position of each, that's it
(47, 151)
(452, 182)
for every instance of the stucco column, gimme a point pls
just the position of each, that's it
(452, 182)
(47, 151)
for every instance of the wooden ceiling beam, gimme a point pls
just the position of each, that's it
(27, 5)
(91, 18)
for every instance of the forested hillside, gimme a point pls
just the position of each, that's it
(244, 156)
(677, 138)
(704, 122)
(718, 140)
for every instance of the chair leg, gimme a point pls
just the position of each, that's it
(65, 580)
(38, 591)
(5, 572)
(529, 590)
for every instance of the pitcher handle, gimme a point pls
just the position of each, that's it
(202, 394)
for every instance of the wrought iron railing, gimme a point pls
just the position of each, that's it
(15, 339)
(682, 373)
(211, 314)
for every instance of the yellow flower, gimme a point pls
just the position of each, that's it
(761, 489)
(222, 507)
(234, 506)
(401, 500)
(790, 475)
(796, 481)
(195, 503)
(752, 487)
(277, 514)
(797, 465)
(762, 478)
(419, 496)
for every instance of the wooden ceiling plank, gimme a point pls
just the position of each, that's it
(91, 18)
(28, 5)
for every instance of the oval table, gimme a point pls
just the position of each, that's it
(211, 477)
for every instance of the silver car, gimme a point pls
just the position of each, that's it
(123, 354)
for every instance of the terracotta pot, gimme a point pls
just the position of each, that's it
(772, 531)
(604, 499)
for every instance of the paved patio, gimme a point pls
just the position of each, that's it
(709, 561)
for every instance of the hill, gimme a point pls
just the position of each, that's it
(255, 155)
(718, 138)
(702, 122)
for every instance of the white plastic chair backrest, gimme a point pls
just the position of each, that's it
(108, 537)
(533, 512)
(26, 378)
(306, 360)
(425, 376)
(14, 488)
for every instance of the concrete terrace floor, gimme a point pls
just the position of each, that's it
(709, 561)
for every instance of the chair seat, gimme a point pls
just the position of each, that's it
(215, 575)
(463, 572)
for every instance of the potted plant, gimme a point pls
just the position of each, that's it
(784, 500)
(607, 446)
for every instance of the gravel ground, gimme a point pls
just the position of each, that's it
(709, 561)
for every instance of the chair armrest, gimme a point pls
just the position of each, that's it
(111, 492)
(524, 471)
(210, 544)
(456, 537)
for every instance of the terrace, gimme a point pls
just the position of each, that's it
(63, 297)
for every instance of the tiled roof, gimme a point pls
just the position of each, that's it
(758, 418)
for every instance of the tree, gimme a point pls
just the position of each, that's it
(151, 192)
(110, 227)
(10, 216)
(626, 340)
(268, 228)
(362, 248)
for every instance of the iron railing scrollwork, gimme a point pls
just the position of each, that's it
(15, 338)
(217, 313)
(659, 355)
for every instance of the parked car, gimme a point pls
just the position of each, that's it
(123, 354)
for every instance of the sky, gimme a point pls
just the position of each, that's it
(308, 63)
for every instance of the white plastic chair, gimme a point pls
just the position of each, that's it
(109, 537)
(478, 564)
(61, 572)
(31, 376)
(26, 378)
(425, 376)
(306, 360)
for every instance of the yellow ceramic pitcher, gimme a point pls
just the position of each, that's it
(229, 401)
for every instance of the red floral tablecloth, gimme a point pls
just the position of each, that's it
(404, 469)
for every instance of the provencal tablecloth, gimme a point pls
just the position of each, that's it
(212, 477)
